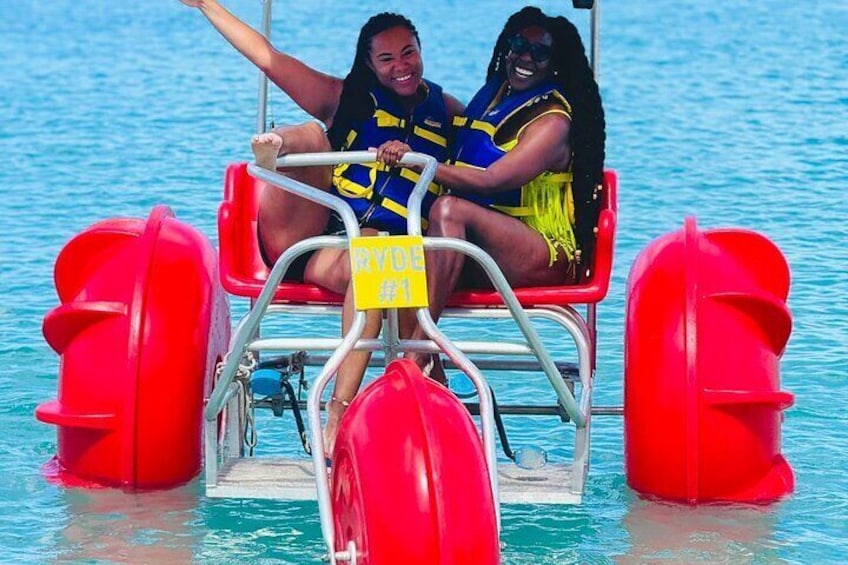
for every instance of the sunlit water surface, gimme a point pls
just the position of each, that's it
(733, 112)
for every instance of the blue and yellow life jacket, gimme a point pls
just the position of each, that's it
(378, 194)
(546, 202)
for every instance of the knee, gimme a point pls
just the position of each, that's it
(445, 213)
(308, 137)
(323, 138)
(317, 139)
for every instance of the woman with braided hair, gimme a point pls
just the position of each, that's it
(526, 164)
(386, 78)
(383, 97)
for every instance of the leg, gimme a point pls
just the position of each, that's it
(351, 371)
(407, 324)
(330, 268)
(519, 251)
(443, 272)
(284, 218)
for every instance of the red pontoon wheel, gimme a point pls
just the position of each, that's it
(142, 322)
(706, 326)
(410, 481)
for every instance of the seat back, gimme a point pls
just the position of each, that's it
(243, 272)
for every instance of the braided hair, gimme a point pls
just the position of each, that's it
(355, 102)
(571, 71)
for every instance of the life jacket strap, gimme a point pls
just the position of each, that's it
(463, 121)
(413, 177)
(387, 120)
(430, 136)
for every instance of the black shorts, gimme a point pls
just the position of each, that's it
(296, 269)
(335, 226)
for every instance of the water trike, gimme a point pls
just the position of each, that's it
(154, 380)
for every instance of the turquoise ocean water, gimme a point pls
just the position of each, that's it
(736, 112)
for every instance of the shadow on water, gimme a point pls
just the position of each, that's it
(181, 526)
(113, 526)
(678, 533)
(267, 531)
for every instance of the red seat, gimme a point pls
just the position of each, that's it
(243, 272)
(589, 292)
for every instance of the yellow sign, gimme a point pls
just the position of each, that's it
(388, 272)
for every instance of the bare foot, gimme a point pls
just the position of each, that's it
(431, 366)
(266, 149)
(335, 410)
(437, 373)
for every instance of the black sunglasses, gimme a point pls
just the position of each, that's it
(520, 45)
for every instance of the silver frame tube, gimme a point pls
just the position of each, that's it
(246, 329)
(223, 392)
(313, 410)
(416, 198)
(262, 106)
(564, 395)
(595, 24)
(244, 332)
(238, 343)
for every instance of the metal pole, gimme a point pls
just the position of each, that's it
(596, 39)
(263, 80)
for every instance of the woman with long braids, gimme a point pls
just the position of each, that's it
(383, 97)
(527, 165)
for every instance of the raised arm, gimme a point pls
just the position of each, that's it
(316, 92)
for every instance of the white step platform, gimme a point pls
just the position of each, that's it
(293, 479)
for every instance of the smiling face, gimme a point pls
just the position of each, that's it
(528, 60)
(395, 58)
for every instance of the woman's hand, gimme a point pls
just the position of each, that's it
(193, 3)
(391, 152)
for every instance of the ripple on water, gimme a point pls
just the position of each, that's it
(727, 111)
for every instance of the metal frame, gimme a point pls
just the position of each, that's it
(228, 397)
